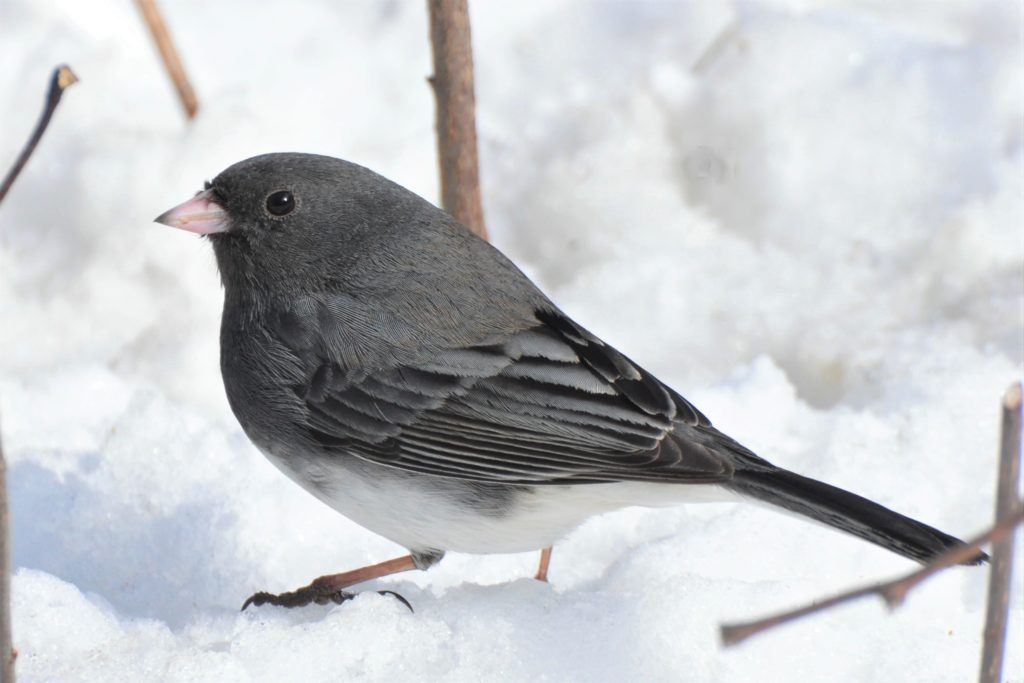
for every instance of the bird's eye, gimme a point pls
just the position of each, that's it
(280, 203)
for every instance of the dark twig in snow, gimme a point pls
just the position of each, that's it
(6, 650)
(169, 55)
(1010, 513)
(892, 592)
(62, 77)
(1007, 504)
(714, 50)
(456, 112)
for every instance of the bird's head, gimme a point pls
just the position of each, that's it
(280, 217)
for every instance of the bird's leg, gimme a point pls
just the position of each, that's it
(329, 588)
(545, 560)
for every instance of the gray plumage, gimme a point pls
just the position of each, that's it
(408, 374)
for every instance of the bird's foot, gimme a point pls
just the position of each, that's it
(319, 592)
(330, 588)
(298, 598)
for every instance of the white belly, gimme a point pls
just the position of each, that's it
(426, 513)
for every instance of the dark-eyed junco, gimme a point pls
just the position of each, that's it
(407, 374)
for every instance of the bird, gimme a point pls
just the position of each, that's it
(406, 373)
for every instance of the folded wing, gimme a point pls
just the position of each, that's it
(551, 404)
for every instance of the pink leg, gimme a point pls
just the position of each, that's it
(545, 560)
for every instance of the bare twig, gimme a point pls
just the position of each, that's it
(717, 46)
(1007, 503)
(61, 78)
(169, 55)
(1010, 513)
(892, 592)
(456, 112)
(6, 651)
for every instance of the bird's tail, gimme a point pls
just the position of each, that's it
(847, 512)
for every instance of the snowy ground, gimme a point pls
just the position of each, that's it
(815, 235)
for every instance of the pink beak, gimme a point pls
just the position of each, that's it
(200, 215)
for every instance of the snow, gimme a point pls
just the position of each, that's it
(815, 236)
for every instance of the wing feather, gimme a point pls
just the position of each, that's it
(550, 404)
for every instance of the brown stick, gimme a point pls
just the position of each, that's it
(892, 592)
(6, 650)
(169, 55)
(456, 112)
(1007, 503)
(62, 78)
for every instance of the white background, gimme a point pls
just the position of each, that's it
(815, 236)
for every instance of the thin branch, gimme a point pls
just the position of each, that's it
(6, 650)
(717, 46)
(892, 592)
(60, 80)
(169, 55)
(1007, 503)
(456, 112)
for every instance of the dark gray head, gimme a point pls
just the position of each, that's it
(287, 219)
(286, 225)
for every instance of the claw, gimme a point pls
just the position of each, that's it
(256, 599)
(399, 598)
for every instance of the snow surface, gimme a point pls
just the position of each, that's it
(814, 232)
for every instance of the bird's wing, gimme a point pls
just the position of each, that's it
(549, 405)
